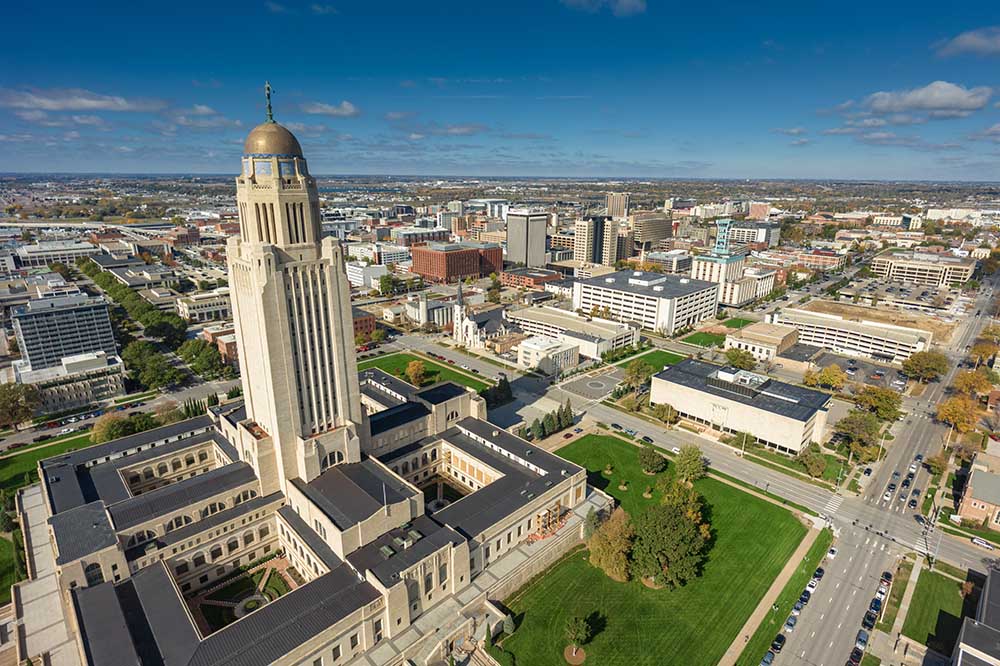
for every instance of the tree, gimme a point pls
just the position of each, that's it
(567, 416)
(832, 377)
(666, 413)
(109, 427)
(577, 632)
(415, 372)
(689, 465)
(740, 358)
(668, 545)
(652, 462)
(18, 403)
(937, 463)
(549, 424)
(813, 460)
(591, 523)
(168, 413)
(958, 411)
(234, 392)
(882, 402)
(611, 544)
(60, 268)
(386, 284)
(637, 373)
(6, 522)
(537, 429)
(860, 429)
(972, 383)
(629, 403)
(926, 365)
(983, 351)
(991, 333)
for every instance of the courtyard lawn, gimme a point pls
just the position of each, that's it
(14, 468)
(217, 616)
(395, 364)
(737, 322)
(658, 358)
(692, 625)
(7, 569)
(705, 339)
(276, 586)
(239, 589)
(936, 612)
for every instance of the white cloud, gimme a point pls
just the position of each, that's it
(202, 110)
(343, 110)
(840, 130)
(322, 10)
(800, 142)
(204, 121)
(87, 120)
(73, 99)
(303, 128)
(398, 115)
(790, 131)
(940, 99)
(617, 7)
(276, 7)
(982, 41)
(460, 130)
(415, 136)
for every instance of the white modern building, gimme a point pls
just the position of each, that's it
(360, 274)
(206, 306)
(923, 268)
(764, 341)
(662, 303)
(781, 416)
(863, 338)
(592, 336)
(48, 252)
(78, 381)
(548, 355)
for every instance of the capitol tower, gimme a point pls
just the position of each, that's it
(292, 312)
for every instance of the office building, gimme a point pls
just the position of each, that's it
(618, 204)
(674, 262)
(907, 222)
(765, 341)
(365, 276)
(930, 270)
(780, 416)
(78, 381)
(592, 336)
(596, 240)
(760, 236)
(44, 253)
(526, 231)
(318, 477)
(378, 253)
(649, 228)
(448, 262)
(410, 236)
(662, 303)
(547, 355)
(822, 260)
(854, 337)
(759, 210)
(51, 329)
(528, 278)
(144, 276)
(206, 306)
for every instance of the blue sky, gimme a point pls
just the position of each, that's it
(644, 88)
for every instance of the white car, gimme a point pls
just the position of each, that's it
(887, 496)
(812, 585)
(832, 553)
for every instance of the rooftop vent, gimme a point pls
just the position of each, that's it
(386, 551)
(657, 288)
(684, 280)
(609, 280)
(528, 452)
(496, 432)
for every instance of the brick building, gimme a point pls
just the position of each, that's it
(530, 278)
(364, 322)
(447, 262)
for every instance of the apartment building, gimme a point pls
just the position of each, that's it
(525, 236)
(411, 236)
(863, 338)
(51, 329)
(650, 227)
(759, 234)
(662, 303)
(365, 276)
(528, 278)
(933, 270)
(781, 416)
(618, 204)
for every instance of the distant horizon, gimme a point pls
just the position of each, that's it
(742, 179)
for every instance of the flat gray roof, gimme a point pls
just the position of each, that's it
(81, 531)
(352, 492)
(645, 283)
(427, 537)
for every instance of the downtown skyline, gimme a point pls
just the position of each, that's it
(578, 88)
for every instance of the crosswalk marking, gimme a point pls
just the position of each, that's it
(833, 504)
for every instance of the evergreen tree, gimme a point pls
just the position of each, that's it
(537, 429)
(549, 424)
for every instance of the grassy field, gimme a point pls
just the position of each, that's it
(692, 625)
(705, 339)
(936, 612)
(870, 660)
(395, 364)
(833, 463)
(902, 577)
(658, 358)
(761, 640)
(737, 322)
(13, 469)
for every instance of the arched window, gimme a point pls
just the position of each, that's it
(423, 459)
(140, 537)
(332, 458)
(134, 479)
(202, 456)
(406, 468)
(178, 522)
(434, 454)
(189, 460)
(162, 469)
(248, 538)
(147, 473)
(93, 574)
(212, 509)
(175, 464)
(216, 552)
(232, 545)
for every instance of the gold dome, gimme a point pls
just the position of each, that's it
(270, 138)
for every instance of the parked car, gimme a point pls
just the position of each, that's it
(647, 439)
(862, 640)
(869, 621)
(578, 430)
(832, 553)
(875, 605)
(616, 426)
(912, 504)
(790, 624)
(567, 435)
(797, 608)
(768, 659)
(818, 574)
(811, 585)
(675, 450)
(868, 471)
(855, 657)
(886, 577)
(778, 643)
(805, 596)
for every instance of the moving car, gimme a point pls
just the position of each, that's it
(982, 543)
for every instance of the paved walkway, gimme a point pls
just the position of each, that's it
(764, 607)
(904, 605)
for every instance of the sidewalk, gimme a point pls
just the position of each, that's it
(764, 607)
(893, 648)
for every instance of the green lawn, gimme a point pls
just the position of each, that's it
(239, 589)
(636, 625)
(217, 616)
(737, 322)
(395, 364)
(7, 575)
(870, 660)
(936, 612)
(658, 358)
(705, 339)
(276, 586)
(902, 577)
(833, 463)
(13, 469)
(761, 640)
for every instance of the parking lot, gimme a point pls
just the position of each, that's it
(862, 371)
(595, 387)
